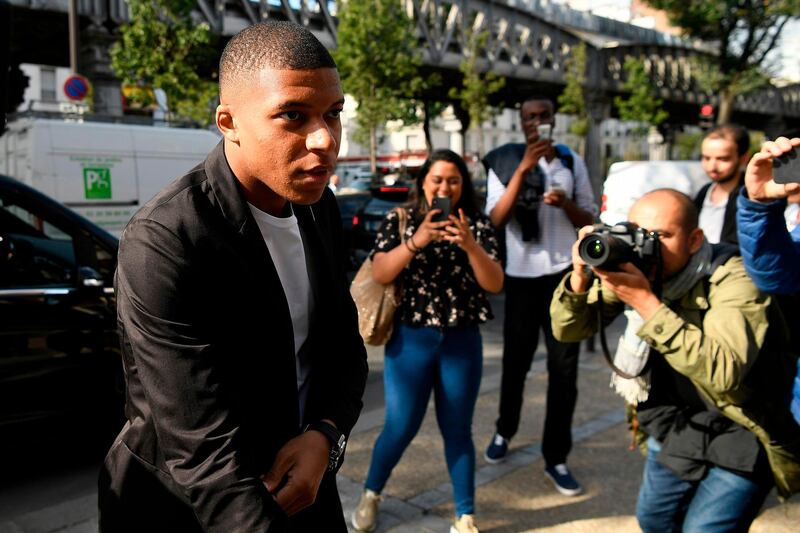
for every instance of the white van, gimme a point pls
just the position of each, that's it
(105, 172)
(627, 181)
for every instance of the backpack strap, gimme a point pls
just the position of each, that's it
(564, 155)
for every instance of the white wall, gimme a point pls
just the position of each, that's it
(619, 139)
(33, 98)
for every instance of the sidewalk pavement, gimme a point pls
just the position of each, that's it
(511, 497)
(515, 496)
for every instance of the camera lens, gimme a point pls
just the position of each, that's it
(595, 248)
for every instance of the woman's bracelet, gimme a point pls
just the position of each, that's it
(411, 248)
(416, 248)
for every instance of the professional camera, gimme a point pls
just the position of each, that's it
(609, 246)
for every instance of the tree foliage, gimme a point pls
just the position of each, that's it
(742, 32)
(477, 86)
(162, 47)
(379, 64)
(573, 101)
(643, 104)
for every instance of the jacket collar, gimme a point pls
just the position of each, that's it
(233, 205)
(226, 188)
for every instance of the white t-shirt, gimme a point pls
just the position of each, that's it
(285, 244)
(712, 217)
(552, 252)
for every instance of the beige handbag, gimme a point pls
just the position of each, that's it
(376, 303)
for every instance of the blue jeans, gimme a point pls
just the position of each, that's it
(448, 362)
(796, 395)
(721, 501)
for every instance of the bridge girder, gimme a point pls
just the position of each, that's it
(529, 51)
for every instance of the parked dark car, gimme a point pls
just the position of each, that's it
(60, 366)
(350, 203)
(368, 219)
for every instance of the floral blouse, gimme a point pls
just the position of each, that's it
(439, 286)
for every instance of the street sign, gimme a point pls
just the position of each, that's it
(76, 87)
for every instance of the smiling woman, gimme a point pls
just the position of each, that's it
(445, 268)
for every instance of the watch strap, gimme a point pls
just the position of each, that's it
(336, 439)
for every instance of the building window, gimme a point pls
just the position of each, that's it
(48, 82)
(412, 142)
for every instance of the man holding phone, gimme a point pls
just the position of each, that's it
(539, 192)
(771, 253)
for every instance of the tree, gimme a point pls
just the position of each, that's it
(742, 32)
(379, 64)
(162, 47)
(431, 109)
(573, 101)
(477, 86)
(643, 104)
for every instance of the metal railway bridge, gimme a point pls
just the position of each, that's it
(528, 44)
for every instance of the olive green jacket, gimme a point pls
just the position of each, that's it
(728, 340)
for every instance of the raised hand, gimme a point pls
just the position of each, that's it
(429, 231)
(459, 232)
(758, 177)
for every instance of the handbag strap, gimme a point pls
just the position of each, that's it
(403, 220)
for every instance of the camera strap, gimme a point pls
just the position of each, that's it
(657, 286)
(604, 345)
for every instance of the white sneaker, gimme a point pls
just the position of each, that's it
(464, 524)
(365, 517)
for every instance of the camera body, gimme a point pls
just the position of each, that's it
(607, 247)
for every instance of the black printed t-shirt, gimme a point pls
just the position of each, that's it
(439, 286)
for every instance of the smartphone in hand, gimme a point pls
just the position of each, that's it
(443, 203)
(786, 168)
(545, 132)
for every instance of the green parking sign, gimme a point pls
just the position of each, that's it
(97, 183)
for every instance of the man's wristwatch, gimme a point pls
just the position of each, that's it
(337, 439)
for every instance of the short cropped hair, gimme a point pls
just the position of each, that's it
(539, 98)
(732, 132)
(689, 218)
(272, 44)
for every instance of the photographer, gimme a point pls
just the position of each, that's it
(771, 254)
(710, 363)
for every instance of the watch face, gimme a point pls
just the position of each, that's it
(337, 449)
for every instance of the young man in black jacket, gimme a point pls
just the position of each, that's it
(243, 361)
(724, 155)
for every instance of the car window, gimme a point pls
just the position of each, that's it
(106, 262)
(35, 252)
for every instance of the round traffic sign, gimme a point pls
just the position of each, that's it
(76, 87)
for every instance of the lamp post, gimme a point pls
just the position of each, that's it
(72, 16)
